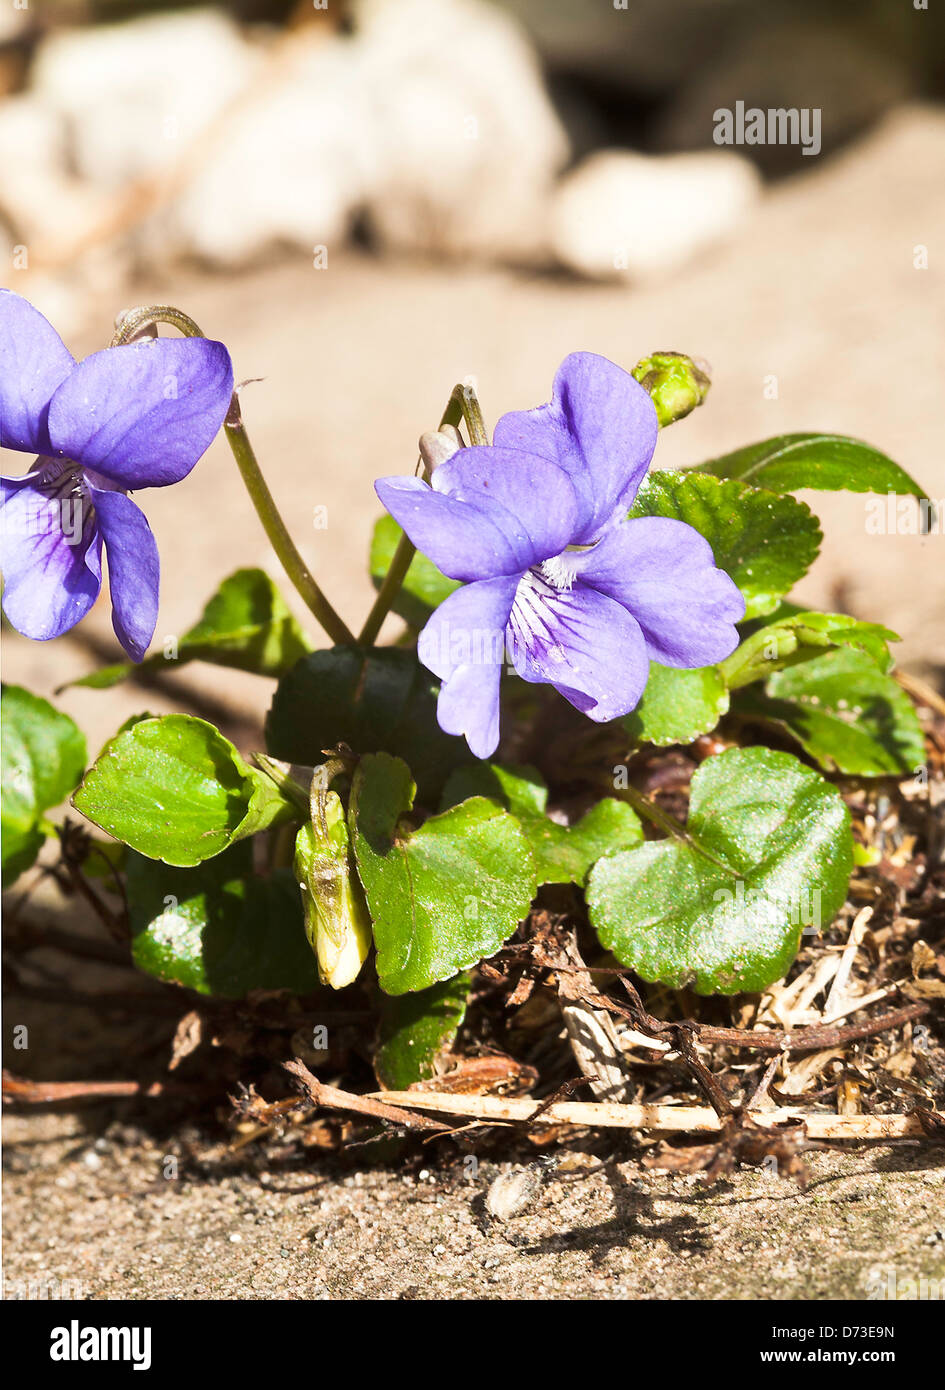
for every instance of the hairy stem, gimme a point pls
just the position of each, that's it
(463, 406)
(275, 528)
(138, 321)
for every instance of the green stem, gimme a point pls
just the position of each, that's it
(275, 528)
(669, 824)
(653, 813)
(468, 403)
(282, 846)
(390, 588)
(136, 321)
(462, 406)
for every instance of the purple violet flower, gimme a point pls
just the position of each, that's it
(581, 597)
(128, 417)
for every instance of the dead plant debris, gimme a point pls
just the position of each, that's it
(849, 1046)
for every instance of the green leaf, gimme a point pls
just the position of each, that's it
(43, 756)
(216, 928)
(380, 700)
(677, 706)
(768, 851)
(827, 462)
(563, 854)
(845, 712)
(21, 844)
(764, 542)
(416, 1029)
(424, 587)
(174, 788)
(796, 636)
(444, 895)
(520, 790)
(246, 625)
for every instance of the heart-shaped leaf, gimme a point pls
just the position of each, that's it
(563, 853)
(424, 587)
(43, 756)
(175, 789)
(845, 712)
(246, 625)
(416, 1029)
(380, 700)
(443, 895)
(217, 928)
(677, 706)
(767, 852)
(766, 543)
(827, 462)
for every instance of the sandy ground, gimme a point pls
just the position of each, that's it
(99, 1210)
(820, 291)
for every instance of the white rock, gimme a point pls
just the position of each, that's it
(38, 197)
(468, 143)
(252, 145)
(629, 215)
(32, 156)
(137, 94)
(295, 164)
(432, 116)
(510, 1193)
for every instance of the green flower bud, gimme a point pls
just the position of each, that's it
(337, 922)
(675, 382)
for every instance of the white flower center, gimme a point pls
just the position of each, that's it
(558, 572)
(532, 620)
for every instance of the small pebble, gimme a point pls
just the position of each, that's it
(511, 1193)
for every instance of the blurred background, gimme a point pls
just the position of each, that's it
(370, 201)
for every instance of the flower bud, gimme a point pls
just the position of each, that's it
(675, 382)
(337, 922)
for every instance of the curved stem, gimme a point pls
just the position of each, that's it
(138, 320)
(275, 528)
(135, 321)
(472, 413)
(462, 407)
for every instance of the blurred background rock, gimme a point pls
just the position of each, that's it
(508, 132)
(370, 200)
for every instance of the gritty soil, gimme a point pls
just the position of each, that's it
(89, 1201)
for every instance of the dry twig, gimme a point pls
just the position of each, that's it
(679, 1119)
